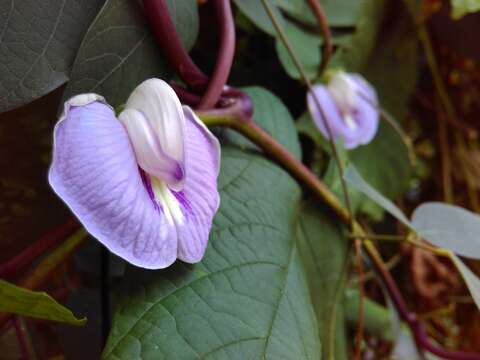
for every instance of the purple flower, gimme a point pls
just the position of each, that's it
(145, 184)
(350, 106)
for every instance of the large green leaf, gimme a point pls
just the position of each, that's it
(38, 42)
(119, 52)
(323, 250)
(247, 299)
(273, 116)
(40, 305)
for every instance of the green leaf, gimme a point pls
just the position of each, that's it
(118, 51)
(353, 178)
(272, 116)
(354, 53)
(323, 249)
(464, 7)
(449, 226)
(247, 299)
(256, 13)
(306, 46)
(340, 13)
(40, 305)
(38, 42)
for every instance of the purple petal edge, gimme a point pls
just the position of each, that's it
(95, 172)
(199, 199)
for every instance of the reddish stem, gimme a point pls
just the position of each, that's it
(50, 239)
(169, 42)
(325, 29)
(226, 52)
(185, 96)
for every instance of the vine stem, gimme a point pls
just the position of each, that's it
(322, 20)
(307, 82)
(226, 52)
(250, 130)
(302, 174)
(166, 34)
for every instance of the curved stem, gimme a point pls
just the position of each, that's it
(325, 29)
(226, 52)
(169, 41)
(300, 172)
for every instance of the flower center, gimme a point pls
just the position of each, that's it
(171, 206)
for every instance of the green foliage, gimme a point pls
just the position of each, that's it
(256, 13)
(443, 225)
(118, 51)
(378, 319)
(38, 42)
(354, 178)
(248, 297)
(323, 249)
(40, 305)
(273, 117)
(306, 46)
(354, 53)
(464, 7)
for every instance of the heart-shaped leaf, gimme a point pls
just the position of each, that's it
(248, 298)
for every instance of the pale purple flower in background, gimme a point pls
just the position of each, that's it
(145, 184)
(350, 105)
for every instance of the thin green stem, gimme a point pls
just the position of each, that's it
(322, 20)
(307, 82)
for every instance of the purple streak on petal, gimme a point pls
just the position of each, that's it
(95, 172)
(199, 199)
(148, 186)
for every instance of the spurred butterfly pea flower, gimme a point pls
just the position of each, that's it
(350, 105)
(145, 184)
